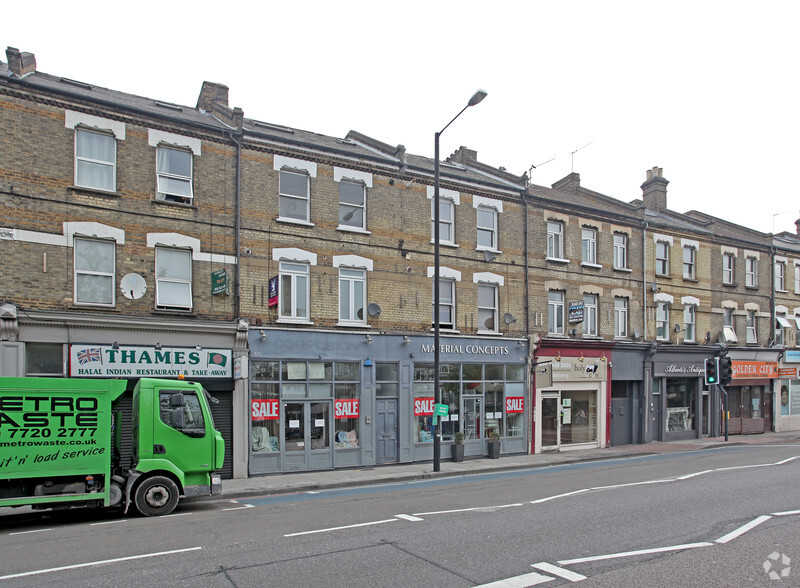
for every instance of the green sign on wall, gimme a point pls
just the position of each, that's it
(219, 282)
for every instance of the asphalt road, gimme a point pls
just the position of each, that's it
(721, 517)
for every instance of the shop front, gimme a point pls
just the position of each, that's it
(750, 393)
(630, 387)
(681, 404)
(572, 398)
(787, 391)
(322, 400)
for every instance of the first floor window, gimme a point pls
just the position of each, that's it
(689, 255)
(487, 307)
(293, 291)
(352, 292)
(95, 160)
(728, 329)
(780, 276)
(555, 315)
(487, 228)
(727, 268)
(94, 272)
(589, 245)
(662, 258)
(662, 321)
(620, 251)
(752, 330)
(590, 314)
(352, 205)
(446, 221)
(447, 304)
(750, 272)
(797, 278)
(294, 196)
(555, 240)
(620, 317)
(174, 170)
(689, 323)
(173, 278)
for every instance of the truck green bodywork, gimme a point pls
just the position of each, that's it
(60, 444)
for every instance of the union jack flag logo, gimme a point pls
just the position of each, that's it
(88, 355)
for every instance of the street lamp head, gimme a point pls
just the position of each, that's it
(477, 97)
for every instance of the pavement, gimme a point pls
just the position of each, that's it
(342, 478)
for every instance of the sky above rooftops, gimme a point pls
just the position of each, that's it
(706, 90)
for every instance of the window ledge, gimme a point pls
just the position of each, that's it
(294, 221)
(729, 284)
(446, 244)
(287, 321)
(90, 307)
(95, 191)
(347, 229)
(160, 202)
(354, 325)
(685, 279)
(751, 287)
(557, 259)
(623, 269)
(483, 332)
(490, 249)
(176, 311)
(559, 335)
(665, 276)
(781, 291)
(592, 337)
(448, 331)
(591, 265)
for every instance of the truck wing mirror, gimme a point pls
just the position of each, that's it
(176, 418)
(176, 399)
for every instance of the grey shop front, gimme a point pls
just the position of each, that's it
(322, 400)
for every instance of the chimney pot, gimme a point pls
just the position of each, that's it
(21, 63)
(654, 189)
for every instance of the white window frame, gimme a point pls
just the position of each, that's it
(555, 240)
(350, 281)
(751, 272)
(589, 245)
(728, 266)
(291, 274)
(85, 160)
(346, 208)
(555, 312)
(620, 251)
(690, 265)
(662, 261)
(492, 310)
(620, 317)
(752, 327)
(780, 276)
(797, 278)
(590, 326)
(163, 178)
(689, 323)
(171, 281)
(294, 198)
(728, 326)
(445, 303)
(446, 225)
(484, 229)
(78, 243)
(662, 320)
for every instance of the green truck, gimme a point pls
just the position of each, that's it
(61, 439)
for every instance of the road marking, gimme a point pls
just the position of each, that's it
(34, 531)
(630, 484)
(787, 460)
(177, 514)
(518, 581)
(560, 572)
(786, 513)
(694, 475)
(109, 522)
(559, 496)
(435, 512)
(244, 506)
(406, 517)
(97, 563)
(743, 529)
(566, 562)
(340, 528)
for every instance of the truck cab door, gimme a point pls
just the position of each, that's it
(182, 432)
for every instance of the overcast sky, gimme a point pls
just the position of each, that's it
(706, 90)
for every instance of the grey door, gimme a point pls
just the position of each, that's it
(307, 436)
(472, 424)
(386, 430)
(621, 421)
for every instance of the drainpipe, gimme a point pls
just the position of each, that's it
(644, 282)
(772, 252)
(525, 252)
(238, 225)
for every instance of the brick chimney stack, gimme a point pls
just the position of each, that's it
(212, 92)
(797, 224)
(20, 63)
(654, 190)
(464, 155)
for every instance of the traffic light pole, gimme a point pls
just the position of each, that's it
(725, 408)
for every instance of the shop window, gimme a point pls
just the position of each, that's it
(662, 258)
(752, 327)
(352, 293)
(293, 291)
(294, 196)
(689, 320)
(265, 434)
(681, 394)
(352, 205)
(783, 399)
(590, 315)
(620, 251)
(174, 174)
(751, 272)
(589, 245)
(689, 262)
(493, 409)
(346, 413)
(578, 417)
(555, 240)
(727, 268)
(662, 321)
(94, 272)
(780, 276)
(95, 160)
(620, 317)
(44, 359)
(555, 312)
(173, 278)
(515, 407)
(487, 308)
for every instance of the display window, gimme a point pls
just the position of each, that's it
(681, 393)
(578, 416)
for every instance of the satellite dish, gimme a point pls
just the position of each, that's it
(508, 318)
(373, 309)
(133, 286)
(488, 255)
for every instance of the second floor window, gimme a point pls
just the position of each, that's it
(446, 221)
(293, 291)
(173, 278)
(487, 307)
(662, 321)
(352, 293)
(689, 323)
(727, 268)
(555, 312)
(174, 174)
(590, 314)
(352, 205)
(95, 160)
(662, 258)
(447, 304)
(294, 196)
(780, 276)
(689, 259)
(487, 228)
(752, 327)
(589, 245)
(94, 272)
(620, 251)
(620, 317)
(751, 272)
(555, 240)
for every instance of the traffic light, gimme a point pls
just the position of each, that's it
(712, 370)
(725, 371)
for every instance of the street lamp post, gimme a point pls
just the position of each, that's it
(437, 393)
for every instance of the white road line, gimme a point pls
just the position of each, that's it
(694, 475)
(560, 572)
(243, 507)
(786, 513)
(787, 460)
(34, 531)
(567, 562)
(97, 563)
(109, 522)
(539, 501)
(176, 514)
(406, 517)
(518, 581)
(743, 529)
(435, 512)
(340, 528)
(629, 484)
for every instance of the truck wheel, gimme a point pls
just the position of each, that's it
(156, 496)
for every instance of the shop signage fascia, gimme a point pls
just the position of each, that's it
(754, 369)
(792, 356)
(565, 369)
(104, 361)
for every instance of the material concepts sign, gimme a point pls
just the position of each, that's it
(103, 361)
